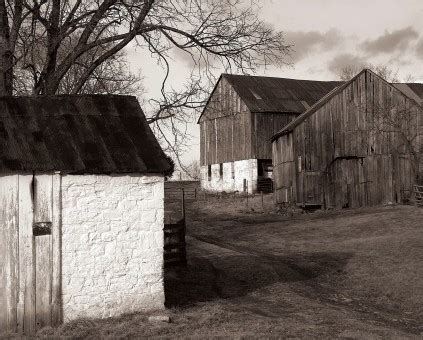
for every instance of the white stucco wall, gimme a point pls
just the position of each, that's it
(245, 169)
(112, 244)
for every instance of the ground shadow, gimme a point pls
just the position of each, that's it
(227, 276)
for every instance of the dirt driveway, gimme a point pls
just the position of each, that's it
(347, 274)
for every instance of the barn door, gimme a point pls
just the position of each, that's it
(348, 183)
(30, 223)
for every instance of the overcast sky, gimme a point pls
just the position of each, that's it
(327, 35)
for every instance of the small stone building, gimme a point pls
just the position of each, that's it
(81, 210)
(240, 117)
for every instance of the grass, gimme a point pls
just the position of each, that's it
(367, 259)
(258, 273)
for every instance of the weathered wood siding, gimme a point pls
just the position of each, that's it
(230, 132)
(338, 160)
(284, 171)
(265, 125)
(225, 127)
(30, 296)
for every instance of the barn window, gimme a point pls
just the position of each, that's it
(221, 170)
(209, 172)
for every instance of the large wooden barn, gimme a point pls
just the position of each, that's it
(359, 145)
(81, 214)
(240, 117)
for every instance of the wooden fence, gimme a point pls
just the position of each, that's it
(174, 239)
(174, 244)
(175, 193)
(418, 191)
(173, 190)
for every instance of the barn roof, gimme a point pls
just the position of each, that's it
(270, 94)
(77, 134)
(413, 90)
(277, 95)
(297, 121)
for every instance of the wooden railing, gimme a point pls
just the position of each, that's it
(175, 193)
(173, 190)
(174, 244)
(174, 239)
(418, 192)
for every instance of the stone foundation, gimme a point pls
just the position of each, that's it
(232, 179)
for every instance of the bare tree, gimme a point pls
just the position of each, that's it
(395, 126)
(194, 171)
(223, 29)
(387, 73)
(114, 76)
(36, 36)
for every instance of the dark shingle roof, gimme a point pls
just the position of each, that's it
(77, 134)
(269, 94)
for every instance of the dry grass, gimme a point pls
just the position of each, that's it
(369, 259)
(238, 204)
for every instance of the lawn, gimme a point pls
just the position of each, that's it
(353, 273)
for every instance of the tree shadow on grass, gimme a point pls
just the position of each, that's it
(229, 276)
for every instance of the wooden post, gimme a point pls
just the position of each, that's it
(262, 203)
(183, 203)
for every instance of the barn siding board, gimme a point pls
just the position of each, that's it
(42, 213)
(265, 126)
(225, 127)
(56, 250)
(9, 251)
(26, 305)
(355, 167)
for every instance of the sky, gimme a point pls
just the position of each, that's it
(326, 36)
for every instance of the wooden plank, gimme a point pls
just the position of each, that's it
(43, 212)
(26, 295)
(8, 252)
(56, 285)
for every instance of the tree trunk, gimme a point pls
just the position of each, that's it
(6, 57)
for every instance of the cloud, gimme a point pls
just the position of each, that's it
(306, 43)
(184, 56)
(419, 49)
(345, 60)
(389, 42)
(195, 59)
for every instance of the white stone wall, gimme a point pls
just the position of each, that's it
(112, 244)
(245, 169)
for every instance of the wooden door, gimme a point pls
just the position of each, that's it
(30, 249)
(347, 183)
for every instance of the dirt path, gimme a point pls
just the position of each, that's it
(277, 288)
